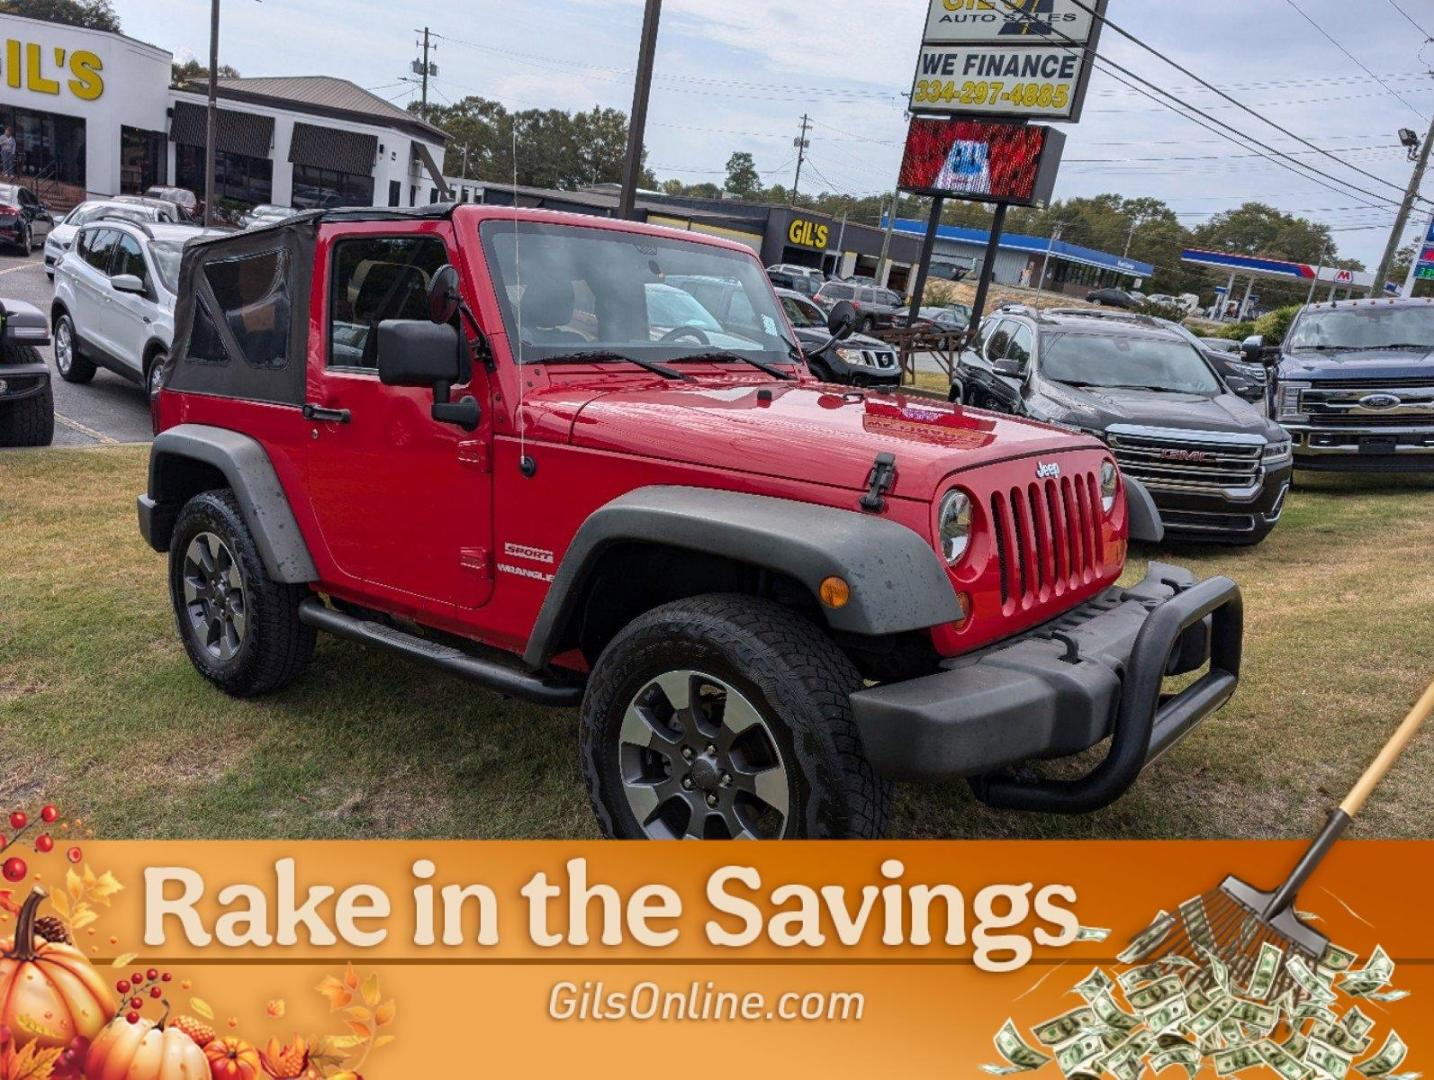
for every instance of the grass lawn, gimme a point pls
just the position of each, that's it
(100, 710)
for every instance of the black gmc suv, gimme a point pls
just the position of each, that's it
(1354, 385)
(1216, 468)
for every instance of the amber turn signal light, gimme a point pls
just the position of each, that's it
(963, 600)
(835, 592)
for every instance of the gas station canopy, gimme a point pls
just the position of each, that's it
(1278, 268)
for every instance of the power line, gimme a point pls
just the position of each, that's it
(1359, 63)
(1395, 5)
(1234, 101)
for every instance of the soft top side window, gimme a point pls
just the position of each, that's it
(253, 296)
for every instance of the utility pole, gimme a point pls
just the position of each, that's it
(211, 116)
(1401, 221)
(423, 69)
(1045, 262)
(801, 142)
(1130, 238)
(637, 122)
(886, 239)
(1318, 271)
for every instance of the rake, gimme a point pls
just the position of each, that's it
(1233, 922)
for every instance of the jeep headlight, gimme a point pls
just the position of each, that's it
(1288, 401)
(1277, 453)
(953, 526)
(1109, 480)
(852, 356)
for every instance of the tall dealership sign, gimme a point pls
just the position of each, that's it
(986, 69)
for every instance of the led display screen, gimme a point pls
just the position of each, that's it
(989, 162)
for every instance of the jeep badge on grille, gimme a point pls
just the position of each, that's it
(1048, 470)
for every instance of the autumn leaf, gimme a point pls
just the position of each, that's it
(384, 1014)
(124, 960)
(276, 1008)
(383, 1040)
(33, 1063)
(336, 1043)
(351, 979)
(363, 1031)
(359, 1013)
(338, 994)
(202, 1007)
(84, 915)
(74, 885)
(371, 994)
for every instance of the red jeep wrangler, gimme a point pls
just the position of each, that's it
(581, 462)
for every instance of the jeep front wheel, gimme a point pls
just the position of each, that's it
(726, 717)
(240, 627)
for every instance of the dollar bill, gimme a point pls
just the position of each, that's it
(1168, 1015)
(1208, 1020)
(1336, 959)
(1355, 1022)
(1296, 1044)
(1217, 969)
(1144, 973)
(1198, 999)
(1020, 1057)
(1092, 933)
(1282, 1061)
(1197, 922)
(1094, 984)
(1237, 1059)
(1327, 1059)
(1149, 939)
(1112, 1015)
(1308, 981)
(1375, 975)
(1340, 1038)
(1186, 1055)
(1267, 967)
(1085, 1049)
(1391, 1055)
(1064, 1028)
(1387, 996)
(1262, 1018)
(1151, 996)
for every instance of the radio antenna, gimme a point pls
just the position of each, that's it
(526, 465)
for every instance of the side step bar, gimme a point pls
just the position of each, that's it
(505, 680)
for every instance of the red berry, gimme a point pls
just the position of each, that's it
(165, 977)
(74, 854)
(152, 974)
(132, 1017)
(122, 986)
(44, 843)
(18, 820)
(136, 1003)
(48, 813)
(155, 992)
(14, 869)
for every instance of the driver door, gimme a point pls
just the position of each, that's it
(403, 502)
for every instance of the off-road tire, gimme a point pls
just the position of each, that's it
(79, 369)
(788, 669)
(30, 421)
(275, 646)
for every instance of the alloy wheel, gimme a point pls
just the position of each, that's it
(700, 762)
(214, 597)
(64, 346)
(155, 381)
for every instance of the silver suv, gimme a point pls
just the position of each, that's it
(114, 299)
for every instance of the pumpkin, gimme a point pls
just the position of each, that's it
(232, 1059)
(145, 1051)
(49, 991)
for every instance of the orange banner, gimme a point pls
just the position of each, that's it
(402, 959)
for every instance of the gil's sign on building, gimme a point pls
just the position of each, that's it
(1008, 58)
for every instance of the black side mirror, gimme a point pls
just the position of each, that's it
(414, 353)
(443, 296)
(1011, 369)
(1252, 348)
(841, 320)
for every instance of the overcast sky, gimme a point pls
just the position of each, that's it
(739, 75)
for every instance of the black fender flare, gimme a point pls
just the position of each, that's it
(250, 474)
(1145, 523)
(898, 582)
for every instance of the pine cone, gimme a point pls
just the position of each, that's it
(52, 929)
(200, 1032)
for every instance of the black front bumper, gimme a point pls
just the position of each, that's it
(22, 380)
(1096, 672)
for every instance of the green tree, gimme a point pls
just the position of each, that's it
(192, 71)
(743, 179)
(91, 14)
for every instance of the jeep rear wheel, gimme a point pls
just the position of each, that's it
(240, 627)
(726, 717)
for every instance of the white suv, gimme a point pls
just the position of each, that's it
(114, 299)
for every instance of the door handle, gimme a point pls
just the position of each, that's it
(332, 416)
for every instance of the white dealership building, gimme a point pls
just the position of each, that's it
(93, 113)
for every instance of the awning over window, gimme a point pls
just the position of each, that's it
(235, 132)
(328, 148)
(421, 152)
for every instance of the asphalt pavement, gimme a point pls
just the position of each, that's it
(107, 409)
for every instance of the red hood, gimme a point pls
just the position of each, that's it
(819, 434)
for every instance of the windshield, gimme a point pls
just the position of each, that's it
(568, 289)
(1126, 360)
(1365, 328)
(166, 255)
(803, 316)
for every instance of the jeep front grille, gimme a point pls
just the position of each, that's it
(1189, 462)
(1048, 537)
